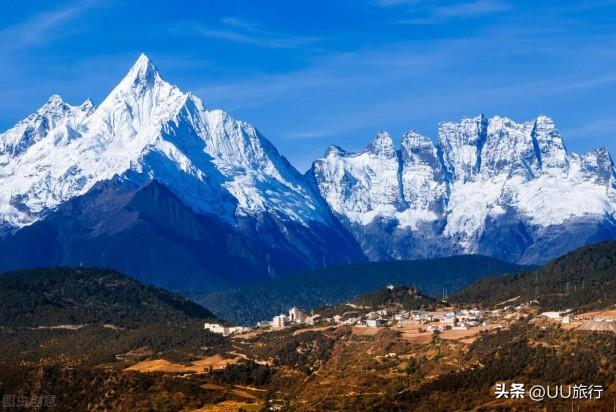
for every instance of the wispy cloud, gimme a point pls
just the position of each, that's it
(42, 27)
(238, 31)
(472, 9)
(438, 11)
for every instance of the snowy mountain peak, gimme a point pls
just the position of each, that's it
(142, 73)
(55, 113)
(334, 150)
(414, 140)
(488, 183)
(382, 145)
(149, 129)
(55, 100)
(418, 149)
(549, 144)
(461, 143)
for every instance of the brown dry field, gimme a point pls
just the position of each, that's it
(610, 314)
(471, 333)
(365, 331)
(201, 365)
(230, 406)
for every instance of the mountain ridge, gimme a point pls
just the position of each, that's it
(489, 186)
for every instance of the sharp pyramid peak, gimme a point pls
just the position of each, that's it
(142, 74)
(143, 64)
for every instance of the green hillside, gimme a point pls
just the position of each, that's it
(334, 285)
(86, 317)
(584, 278)
(397, 297)
(47, 297)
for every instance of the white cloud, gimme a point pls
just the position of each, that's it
(438, 11)
(238, 31)
(41, 28)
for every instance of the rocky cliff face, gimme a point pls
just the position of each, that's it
(490, 186)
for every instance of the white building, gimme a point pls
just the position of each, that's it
(551, 315)
(280, 321)
(296, 315)
(374, 323)
(224, 330)
(450, 321)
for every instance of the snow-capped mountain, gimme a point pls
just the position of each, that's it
(149, 130)
(490, 186)
(152, 183)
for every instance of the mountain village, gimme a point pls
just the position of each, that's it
(420, 325)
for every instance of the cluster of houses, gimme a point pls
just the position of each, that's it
(435, 321)
(296, 316)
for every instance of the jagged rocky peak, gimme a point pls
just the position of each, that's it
(334, 150)
(597, 166)
(414, 140)
(87, 106)
(142, 82)
(461, 143)
(239, 143)
(147, 128)
(51, 115)
(500, 146)
(422, 179)
(418, 149)
(549, 143)
(508, 149)
(382, 145)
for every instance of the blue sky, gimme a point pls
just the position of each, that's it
(313, 73)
